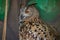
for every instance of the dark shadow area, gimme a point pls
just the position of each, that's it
(12, 23)
(1, 29)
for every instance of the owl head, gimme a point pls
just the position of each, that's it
(27, 13)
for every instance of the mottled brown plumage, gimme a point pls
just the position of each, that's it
(33, 28)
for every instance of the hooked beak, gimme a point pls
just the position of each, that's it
(22, 17)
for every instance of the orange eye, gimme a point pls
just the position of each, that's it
(26, 11)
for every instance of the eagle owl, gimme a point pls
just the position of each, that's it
(31, 27)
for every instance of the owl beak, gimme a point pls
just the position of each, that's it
(22, 17)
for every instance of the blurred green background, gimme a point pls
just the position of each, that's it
(48, 9)
(2, 9)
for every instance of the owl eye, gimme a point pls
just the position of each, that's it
(27, 12)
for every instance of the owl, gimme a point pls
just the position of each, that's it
(32, 27)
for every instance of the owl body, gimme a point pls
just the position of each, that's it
(33, 28)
